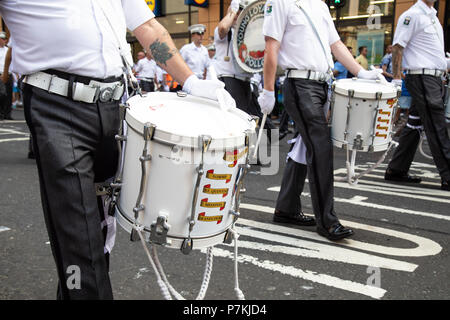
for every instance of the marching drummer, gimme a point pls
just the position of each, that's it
(418, 46)
(237, 81)
(195, 54)
(300, 37)
(146, 70)
(72, 87)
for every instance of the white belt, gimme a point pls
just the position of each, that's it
(308, 74)
(89, 93)
(233, 76)
(429, 72)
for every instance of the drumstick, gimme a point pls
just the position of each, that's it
(380, 76)
(261, 129)
(219, 92)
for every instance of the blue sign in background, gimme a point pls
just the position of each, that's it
(197, 3)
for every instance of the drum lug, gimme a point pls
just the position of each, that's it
(134, 237)
(186, 246)
(228, 239)
(158, 230)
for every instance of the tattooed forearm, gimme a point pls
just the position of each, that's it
(397, 54)
(161, 52)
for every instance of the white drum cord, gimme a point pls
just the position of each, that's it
(167, 289)
(353, 178)
(237, 290)
(423, 137)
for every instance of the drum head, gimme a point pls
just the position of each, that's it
(365, 89)
(248, 41)
(182, 119)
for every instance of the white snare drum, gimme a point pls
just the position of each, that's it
(183, 160)
(362, 112)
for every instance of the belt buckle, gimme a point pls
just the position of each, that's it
(105, 94)
(322, 77)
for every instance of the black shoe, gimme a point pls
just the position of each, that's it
(298, 219)
(445, 185)
(336, 232)
(31, 155)
(401, 177)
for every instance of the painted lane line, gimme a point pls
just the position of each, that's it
(310, 249)
(14, 139)
(373, 292)
(359, 202)
(2, 228)
(12, 131)
(393, 184)
(425, 247)
(12, 121)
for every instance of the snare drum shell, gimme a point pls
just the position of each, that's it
(170, 183)
(362, 114)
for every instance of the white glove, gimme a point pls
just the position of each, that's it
(397, 82)
(266, 101)
(369, 74)
(234, 6)
(208, 89)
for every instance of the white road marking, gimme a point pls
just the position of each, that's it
(425, 247)
(310, 249)
(14, 139)
(12, 121)
(373, 292)
(12, 131)
(2, 228)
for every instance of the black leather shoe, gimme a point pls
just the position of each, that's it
(298, 219)
(336, 232)
(401, 177)
(445, 185)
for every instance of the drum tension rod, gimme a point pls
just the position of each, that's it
(204, 143)
(149, 131)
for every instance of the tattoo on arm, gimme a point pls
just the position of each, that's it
(397, 54)
(161, 52)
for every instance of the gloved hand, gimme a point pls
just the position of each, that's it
(369, 74)
(397, 82)
(234, 6)
(208, 89)
(266, 101)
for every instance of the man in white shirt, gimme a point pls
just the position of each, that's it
(6, 100)
(418, 47)
(146, 73)
(195, 54)
(293, 43)
(72, 85)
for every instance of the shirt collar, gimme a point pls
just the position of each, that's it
(428, 10)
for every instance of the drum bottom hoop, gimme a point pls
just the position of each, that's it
(172, 242)
(376, 148)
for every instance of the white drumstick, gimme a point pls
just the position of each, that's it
(380, 76)
(261, 129)
(219, 92)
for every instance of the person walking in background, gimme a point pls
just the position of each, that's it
(362, 58)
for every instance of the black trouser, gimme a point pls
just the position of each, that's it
(427, 109)
(294, 176)
(246, 99)
(6, 102)
(74, 147)
(147, 86)
(304, 101)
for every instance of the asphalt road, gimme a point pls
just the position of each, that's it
(400, 249)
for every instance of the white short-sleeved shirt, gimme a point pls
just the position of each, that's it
(70, 36)
(422, 39)
(300, 48)
(225, 49)
(146, 68)
(197, 58)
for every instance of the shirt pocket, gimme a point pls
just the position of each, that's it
(297, 20)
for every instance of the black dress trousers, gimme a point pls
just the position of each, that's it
(304, 101)
(74, 148)
(427, 109)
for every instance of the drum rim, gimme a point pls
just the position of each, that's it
(362, 94)
(165, 137)
(146, 229)
(243, 66)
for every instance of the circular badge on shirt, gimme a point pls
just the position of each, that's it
(248, 42)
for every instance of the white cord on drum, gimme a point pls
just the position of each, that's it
(163, 282)
(237, 290)
(422, 139)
